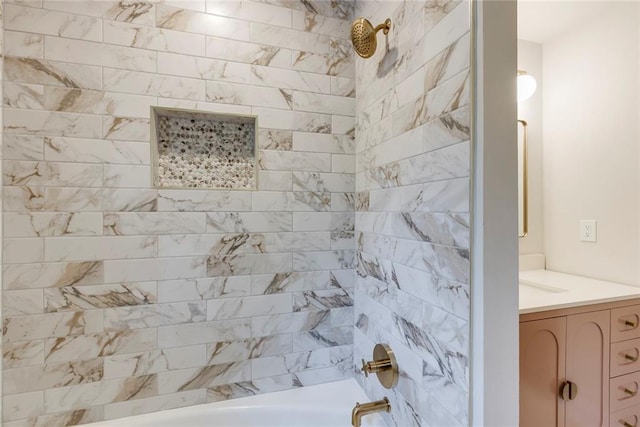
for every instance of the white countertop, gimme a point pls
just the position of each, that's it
(543, 290)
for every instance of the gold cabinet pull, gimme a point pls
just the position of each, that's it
(630, 392)
(626, 424)
(630, 357)
(569, 390)
(630, 323)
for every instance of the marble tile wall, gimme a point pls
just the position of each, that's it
(121, 299)
(412, 201)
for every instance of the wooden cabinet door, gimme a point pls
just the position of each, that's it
(588, 338)
(542, 370)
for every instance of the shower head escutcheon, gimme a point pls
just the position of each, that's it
(363, 36)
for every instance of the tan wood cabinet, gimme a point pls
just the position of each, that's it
(580, 367)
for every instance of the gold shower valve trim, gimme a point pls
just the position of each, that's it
(363, 36)
(384, 365)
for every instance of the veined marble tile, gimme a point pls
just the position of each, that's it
(319, 221)
(230, 308)
(290, 79)
(16, 303)
(127, 176)
(154, 404)
(24, 45)
(51, 123)
(202, 68)
(52, 73)
(448, 329)
(321, 103)
(233, 351)
(70, 199)
(323, 375)
(203, 333)
(343, 125)
(204, 106)
(125, 128)
(271, 139)
(323, 143)
(203, 201)
(61, 419)
(79, 298)
(342, 163)
(96, 151)
(269, 284)
(323, 182)
(291, 201)
(293, 120)
(52, 23)
(36, 276)
(159, 39)
(205, 377)
(275, 181)
(288, 38)
(39, 326)
(314, 23)
(125, 200)
(96, 102)
(21, 380)
(24, 405)
(140, 13)
(204, 289)
(202, 23)
(339, 10)
(321, 300)
(100, 393)
(25, 353)
(248, 264)
(100, 248)
(288, 323)
(23, 95)
(136, 223)
(248, 222)
(341, 202)
(22, 147)
(290, 161)
(50, 174)
(248, 53)
(251, 11)
(322, 260)
(252, 388)
(117, 271)
(259, 96)
(290, 363)
(154, 315)
(90, 53)
(443, 196)
(342, 86)
(321, 338)
(137, 82)
(21, 250)
(85, 347)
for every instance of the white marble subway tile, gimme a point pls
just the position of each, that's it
(212, 107)
(231, 308)
(124, 34)
(443, 30)
(47, 224)
(127, 176)
(116, 271)
(267, 284)
(331, 299)
(16, 303)
(205, 377)
(288, 38)
(259, 96)
(23, 95)
(252, 222)
(21, 380)
(243, 264)
(22, 147)
(29, 3)
(341, 202)
(23, 353)
(321, 103)
(203, 201)
(128, 200)
(443, 196)
(343, 125)
(343, 163)
(203, 333)
(251, 11)
(195, 5)
(275, 181)
(233, 351)
(448, 329)
(24, 405)
(125, 128)
(296, 201)
(140, 13)
(271, 139)
(154, 315)
(202, 23)
(82, 416)
(289, 363)
(248, 53)
(154, 404)
(69, 199)
(23, 45)
(203, 289)
(202, 68)
(36, 276)
(321, 338)
(79, 298)
(99, 393)
(290, 79)
(337, 372)
(251, 388)
(51, 123)
(315, 23)
(293, 120)
(40, 326)
(323, 182)
(319, 221)
(91, 53)
(42, 21)
(52, 174)
(52, 73)
(323, 143)
(288, 323)
(322, 260)
(139, 223)
(342, 86)
(96, 151)
(84, 347)
(292, 161)
(97, 102)
(99, 248)
(137, 82)
(21, 250)
(208, 244)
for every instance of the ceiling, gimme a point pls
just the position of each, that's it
(542, 20)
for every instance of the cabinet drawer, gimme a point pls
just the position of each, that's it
(625, 357)
(629, 417)
(625, 323)
(624, 391)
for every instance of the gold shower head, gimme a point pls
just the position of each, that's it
(363, 36)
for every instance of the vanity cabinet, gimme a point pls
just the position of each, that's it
(580, 367)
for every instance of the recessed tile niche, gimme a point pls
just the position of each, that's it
(194, 149)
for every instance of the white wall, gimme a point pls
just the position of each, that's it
(530, 60)
(590, 152)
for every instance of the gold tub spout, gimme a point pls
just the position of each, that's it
(360, 410)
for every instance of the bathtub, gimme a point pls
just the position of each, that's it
(325, 405)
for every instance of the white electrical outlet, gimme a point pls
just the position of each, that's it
(588, 230)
